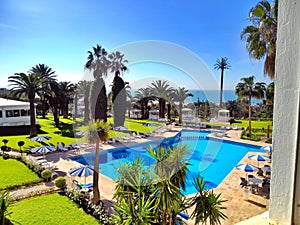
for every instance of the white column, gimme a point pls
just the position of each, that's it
(286, 113)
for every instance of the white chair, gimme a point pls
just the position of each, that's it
(62, 148)
(80, 144)
(74, 145)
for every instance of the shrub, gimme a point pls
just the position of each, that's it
(46, 174)
(60, 182)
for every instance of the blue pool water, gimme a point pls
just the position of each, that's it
(212, 158)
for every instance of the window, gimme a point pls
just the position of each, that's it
(16, 113)
(24, 112)
(1, 114)
(9, 113)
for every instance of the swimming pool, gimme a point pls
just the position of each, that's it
(212, 158)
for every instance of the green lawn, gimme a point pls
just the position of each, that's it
(255, 124)
(65, 133)
(48, 210)
(14, 173)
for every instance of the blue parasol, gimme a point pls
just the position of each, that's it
(82, 171)
(40, 138)
(258, 158)
(246, 167)
(43, 149)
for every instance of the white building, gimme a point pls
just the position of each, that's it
(14, 113)
(135, 114)
(153, 114)
(223, 115)
(187, 114)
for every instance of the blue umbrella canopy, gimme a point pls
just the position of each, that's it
(246, 167)
(40, 138)
(43, 149)
(267, 148)
(81, 133)
(82, 171)
(258, 158)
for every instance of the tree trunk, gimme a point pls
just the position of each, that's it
(33, 131)
(180, 113)
(221, 89)
(169, 111)
(96, 192)
(250, 128)
(86, 110)
(75, 105)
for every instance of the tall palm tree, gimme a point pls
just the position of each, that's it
(96, 131)
(248, 89)
(28, 86)
(261, 36)
(67, 90)
(54, 101)
(161, 89)
(222, 64)
(117, 65)
(84, 89)
(98, 64)
(48, 74)
(143, 96)
(180, 95)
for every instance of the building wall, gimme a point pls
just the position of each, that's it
(286, 114)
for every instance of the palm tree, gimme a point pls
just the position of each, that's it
(117, 65)
(48, 74)
(261, 36)
(248, 89)
(54, 101)
(67, 90)
(27, 85)
(222, 64)
(98, 64)
(208, 206)
(97, 131)
(161, 89)
(170, 174)
(143, 96)
(180, 95)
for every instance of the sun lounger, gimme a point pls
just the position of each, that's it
(61, 147)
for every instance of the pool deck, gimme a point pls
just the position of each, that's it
(238, 209)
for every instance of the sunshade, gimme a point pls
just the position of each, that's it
(40, 138)
(246, 167)
(258, 158)
(82, 171)
(43, 149)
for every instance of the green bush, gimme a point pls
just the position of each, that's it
(46, 174)
(60, 182)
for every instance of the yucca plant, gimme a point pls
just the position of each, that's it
(208, 205)
(4, 206)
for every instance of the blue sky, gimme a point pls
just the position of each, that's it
(59, 33)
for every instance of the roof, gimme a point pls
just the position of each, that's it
(224, 110)
(9, 102)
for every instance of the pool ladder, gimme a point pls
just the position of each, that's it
(192, 137)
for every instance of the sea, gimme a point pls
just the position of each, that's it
(213, 96)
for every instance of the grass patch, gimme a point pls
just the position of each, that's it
(48, 210)
(254, 124)
(65, 132)
(15, 173)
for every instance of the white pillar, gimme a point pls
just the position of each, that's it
(286, 114)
